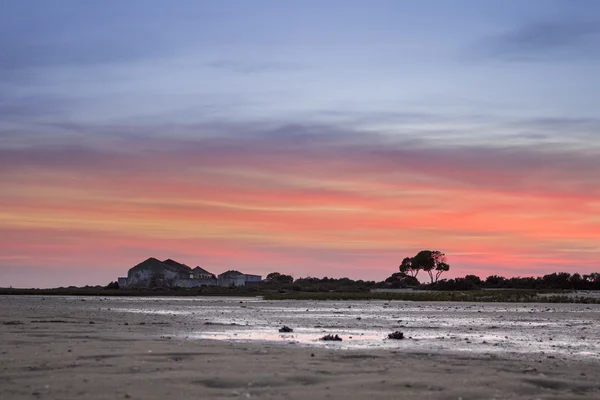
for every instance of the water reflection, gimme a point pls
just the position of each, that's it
(487, 328)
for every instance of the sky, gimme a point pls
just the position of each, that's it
(314, 138)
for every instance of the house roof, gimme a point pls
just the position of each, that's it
(149, 263)
(155, 265)
(201, 270)
(230, 274)
(176, 264)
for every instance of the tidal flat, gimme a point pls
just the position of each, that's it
(151, 348)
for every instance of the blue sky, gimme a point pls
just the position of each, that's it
(189, 61)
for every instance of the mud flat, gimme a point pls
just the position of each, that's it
(166, 348)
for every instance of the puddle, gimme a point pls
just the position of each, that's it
(415, 340)
(560, 330)
(352, 339)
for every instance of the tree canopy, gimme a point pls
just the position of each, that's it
(280, 278)
(433, 262)
(407, 268)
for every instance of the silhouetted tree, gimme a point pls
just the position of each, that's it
(407, 267)
(474, 278)
(432, 262)
(112, 285)
(560, 280)
(495, 281)
(576, 281)
(401, 280)
(411, 281)
(280, 278)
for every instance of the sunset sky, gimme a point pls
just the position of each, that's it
(313, 138)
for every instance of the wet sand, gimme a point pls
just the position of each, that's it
(94, 348)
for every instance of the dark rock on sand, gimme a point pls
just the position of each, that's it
(396, 335)
(285, 329)
(331, 338)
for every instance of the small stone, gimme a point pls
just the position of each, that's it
(396, 335)
(328, 338)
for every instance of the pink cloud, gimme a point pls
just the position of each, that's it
(327, 206)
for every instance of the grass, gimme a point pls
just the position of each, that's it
(501, 296)
(516, 296)
(212, 291)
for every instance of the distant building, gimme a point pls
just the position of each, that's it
(174, 264)
(201, 273)
(253, 279)
(169, 273)
(236, 278)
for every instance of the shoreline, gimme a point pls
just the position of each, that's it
(481, 295)
(72, 349)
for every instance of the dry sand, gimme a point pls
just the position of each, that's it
(66, 348)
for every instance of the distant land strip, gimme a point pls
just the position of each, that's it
(501, 295)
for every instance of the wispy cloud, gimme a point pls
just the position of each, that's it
(545, 41)
(249, 67)
(338, 151)
(293, 195)
(74, 35)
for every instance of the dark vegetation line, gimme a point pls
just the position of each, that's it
(508, 296)
(504, 296)
(550, 288)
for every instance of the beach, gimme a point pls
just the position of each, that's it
(152, 348)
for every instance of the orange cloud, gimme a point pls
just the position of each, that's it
(333, 210)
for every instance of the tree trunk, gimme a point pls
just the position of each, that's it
(430, 275)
